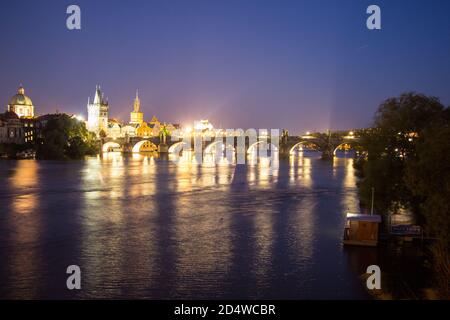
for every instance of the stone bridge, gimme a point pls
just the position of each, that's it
(327, 143)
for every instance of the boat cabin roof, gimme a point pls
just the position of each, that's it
(363, 217)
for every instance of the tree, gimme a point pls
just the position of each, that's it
(390, 145)
(428, 177)
(65, 138)
(408, 163)
(163, 134)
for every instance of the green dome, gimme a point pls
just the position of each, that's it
(20, 99)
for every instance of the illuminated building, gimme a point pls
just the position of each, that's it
(144, 130)
(129, 130)
(17, 125)
(136, 116)
(21, 104)
(114, 129)
(98, 113)
(154, 126)
(29, 128)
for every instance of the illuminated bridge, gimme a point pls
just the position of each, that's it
(327, 143)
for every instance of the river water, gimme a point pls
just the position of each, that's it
(144, 227)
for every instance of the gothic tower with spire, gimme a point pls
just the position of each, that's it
(98, 113)
(136, 116)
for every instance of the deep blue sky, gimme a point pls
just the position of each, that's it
(301, 65)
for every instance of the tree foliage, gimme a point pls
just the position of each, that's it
(391, 145)
(428, 177)
(65, 138)
(408, 163)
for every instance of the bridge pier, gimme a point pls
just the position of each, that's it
(163, 148)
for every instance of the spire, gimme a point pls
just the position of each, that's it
(98, 95)
(137, 102)
(21, 89)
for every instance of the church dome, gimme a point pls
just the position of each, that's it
(20, 99)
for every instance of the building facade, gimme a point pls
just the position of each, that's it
(144, 131)
(18, 123)
(21, 104)
(11, 128)
(136, 116)
(98, 112)
(98, 120)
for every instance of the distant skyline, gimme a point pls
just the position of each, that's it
(300, 65)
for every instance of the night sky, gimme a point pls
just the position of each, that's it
(300, 65)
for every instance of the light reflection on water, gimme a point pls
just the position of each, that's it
(144, 227)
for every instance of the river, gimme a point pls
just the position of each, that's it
(144, 227)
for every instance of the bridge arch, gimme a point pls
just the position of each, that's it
(111, 147)
(252, 147)
(144, 146)
(298, 144)
(352, 144)
(211, 148)
(177, 147)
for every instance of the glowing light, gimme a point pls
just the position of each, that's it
(203, 125)
(79, 117)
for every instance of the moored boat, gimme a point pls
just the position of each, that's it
(361, 229)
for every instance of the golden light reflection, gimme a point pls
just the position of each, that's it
(300, 171)
(24, 204)
(262, 171)
(25, 174)
(350, 200)
(25, 223)
(111, 222)
(293, 168)
(302, 225)
(186, 175)
(264, 235)
(211, 160)
(204, 243)
(144, 169)
(24, 180)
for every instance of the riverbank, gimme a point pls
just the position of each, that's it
(406, 272)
